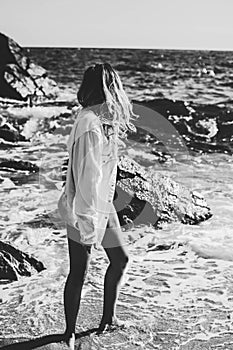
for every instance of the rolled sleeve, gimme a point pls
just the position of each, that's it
(87, 172)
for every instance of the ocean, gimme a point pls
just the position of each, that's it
(202, 80)
(192, 90)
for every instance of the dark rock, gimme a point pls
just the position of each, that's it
(11, 135)
(165, 106)
(14, 263)
(9, 130)
(7, 145)
(164, 246)
(203, 128)
(21, 79)
(9, 164)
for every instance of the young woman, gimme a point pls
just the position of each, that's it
(86, 203)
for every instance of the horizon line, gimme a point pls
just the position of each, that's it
(125, 48)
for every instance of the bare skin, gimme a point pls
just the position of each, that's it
(79, 260)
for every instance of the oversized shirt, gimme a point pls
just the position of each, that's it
(86, 200)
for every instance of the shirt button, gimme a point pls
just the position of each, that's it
(106, 217)
(109, 200)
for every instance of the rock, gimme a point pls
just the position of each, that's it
(166, 107)
(8, 132)
(14, 263)
(18, 165)
(164, 246)
(42, 220)
(21, 79)
(203, 128)
(147, 197)
(11, 135)
(144, 196)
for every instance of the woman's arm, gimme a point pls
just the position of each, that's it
(87, 172)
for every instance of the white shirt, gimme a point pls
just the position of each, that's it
(86, 200)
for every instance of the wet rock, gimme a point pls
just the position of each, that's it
(42, 220)
(144, 196)
(20, 78)
(166, 107)
(15, 263)
(164, 246)
(10, 164)
(11, 135)
(203, 128)
(9, 132)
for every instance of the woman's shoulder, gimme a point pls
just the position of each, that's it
(87, 121)
(85, 114)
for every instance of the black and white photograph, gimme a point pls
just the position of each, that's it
(116, 175)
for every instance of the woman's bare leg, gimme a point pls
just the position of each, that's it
(117, 253)
(118, 261)
(79, 259)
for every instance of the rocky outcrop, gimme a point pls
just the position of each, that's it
(14, 263)
(11, 164)
(21, 79)
(144, 196)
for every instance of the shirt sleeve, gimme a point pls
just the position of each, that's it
(87, 172)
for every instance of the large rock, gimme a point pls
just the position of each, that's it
(21, 79)
(14, 263)
(146, 197)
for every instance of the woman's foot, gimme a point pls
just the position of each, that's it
(110, 326)
(70, 340)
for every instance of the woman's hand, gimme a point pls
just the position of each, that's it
(97, 246)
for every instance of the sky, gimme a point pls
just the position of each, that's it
(171, 24)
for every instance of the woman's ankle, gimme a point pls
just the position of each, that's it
(110, 324)
(70, 341)
(68, 334)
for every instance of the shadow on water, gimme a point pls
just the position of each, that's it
(42, 341)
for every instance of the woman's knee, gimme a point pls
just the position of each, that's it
(124, 262)
(120, 262)
(77, 276)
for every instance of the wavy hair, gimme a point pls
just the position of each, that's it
(102, 91)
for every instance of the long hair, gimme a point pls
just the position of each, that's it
(102, 90)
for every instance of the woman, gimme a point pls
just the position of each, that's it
(87, 201)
